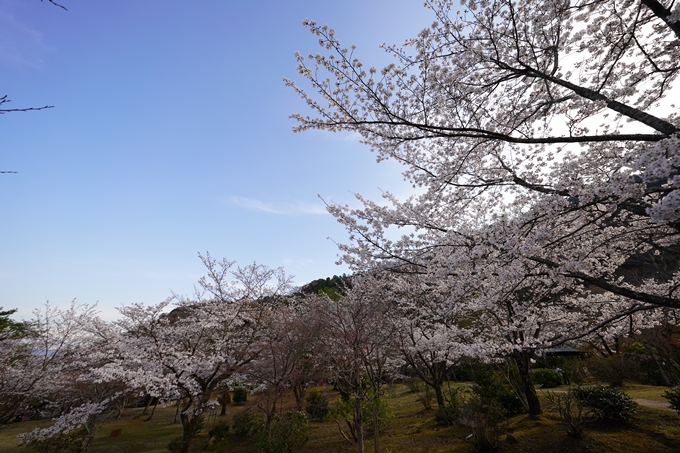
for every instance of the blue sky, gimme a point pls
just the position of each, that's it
(170, 136)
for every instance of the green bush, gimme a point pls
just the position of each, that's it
(492, 388)
(673, 397)
(288, 434)
(317, 406)
(574, 370)
(547, 378)
(247, 424)
(483, 418)
(240, 396)
(414, 384)
(174, 444)
(219, 431)
(574, 414)
(384, 414)
(609, 403)
(614, 369)
(344, 410)
(453, 400)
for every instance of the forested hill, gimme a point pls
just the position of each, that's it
(326, 285)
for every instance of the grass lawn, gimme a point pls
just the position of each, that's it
(412, 429)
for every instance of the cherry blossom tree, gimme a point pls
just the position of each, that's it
(79, 392)
(431, 340)
(34, 361)
(359, 344)
(205, 341)
(543, 144)
(289, 347)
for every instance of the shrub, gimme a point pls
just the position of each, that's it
(384, 414)
(240, 396)
(217, 438)
(574, 413)
(247, 424)
(547, 378)
(288, 434)
(219, 431)
(453, 400)
(483, 418)
(494, 388)
(317, 406)
(174, 444)
(415, 385)
(344, 410)
(614, 369)
(609, 403)
(426, 398)
(673, 397)
(574, 370)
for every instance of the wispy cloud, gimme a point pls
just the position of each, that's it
(254, 205)
(299, 207)
(20, 45)
(348, 137)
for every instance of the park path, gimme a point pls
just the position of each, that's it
(654, 404)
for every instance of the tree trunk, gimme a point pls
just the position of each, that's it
(189, 426)
(522, 360)
(174, 420)
(299, 393)
(439, 395)
(376, 430)
(90, 431)
(148, 403)
(358, 422)
(153, 411)
(121, 408)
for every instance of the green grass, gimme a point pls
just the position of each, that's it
(411, 430)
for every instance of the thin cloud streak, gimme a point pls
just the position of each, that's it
(282, 209)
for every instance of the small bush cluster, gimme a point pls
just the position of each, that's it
(609, 403)
(384, 414)
(493, 400)
(175, 444)
(248, 424)
(317, 406)
(547, 378)
(288, 434)
(219, 431)
(673, 397)
(493, 387)
(217, 437)
(453, 401)
(427, 397)
(574, 413)
(240, 396)
(414, 384)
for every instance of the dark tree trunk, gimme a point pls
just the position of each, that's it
(148, 403)
(299, 392)
(224, 399)
(189, 426)
(376, 431)
(439, 395)
(90, 431)
(359, 422)
(153, 411)
(522, 360)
